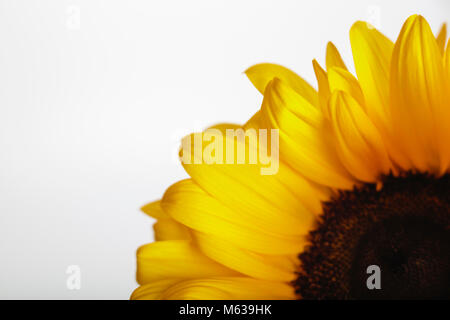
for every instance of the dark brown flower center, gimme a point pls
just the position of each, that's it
(388, 244)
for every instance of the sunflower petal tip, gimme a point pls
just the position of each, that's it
(145, 208)
(415, 18)
(316, 66)
(331, 47)
(360, 25)
(441, 37)
(153, 209)
(253, 70)
(248, 70)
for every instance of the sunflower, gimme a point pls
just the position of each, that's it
(362, 180)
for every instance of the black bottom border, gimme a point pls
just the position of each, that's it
(231, 309)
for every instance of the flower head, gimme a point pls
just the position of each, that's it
(362, 179)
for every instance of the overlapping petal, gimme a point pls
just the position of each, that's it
(342, 80)
(216, 288)
(243, 187)
(358, 142)
(165, 228)
(442, 38)
(191, 206)
(169, 229)
(154, 210)
(333, 58)
(372, 53)
(420, 113)
(262, 266)
(261, 74)
(305, 137)
(324, 88)
(179, 259)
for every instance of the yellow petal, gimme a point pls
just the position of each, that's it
(154, 210)
(261, 266)
(447, 62)
(418, 93)
(217, 288)
(261, 74)
(243, 187)
(305, 138)
(175, 259)
(372, 53)
(359, 143)
(169, 229)
(165, 228)
(340, 79)
(442, 38)
(334, 59)
(153, 290)
(189, 204)
(324, 88)
(309, 193)
(254, 122)
(445, 154)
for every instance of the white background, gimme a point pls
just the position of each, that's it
(94, 96)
